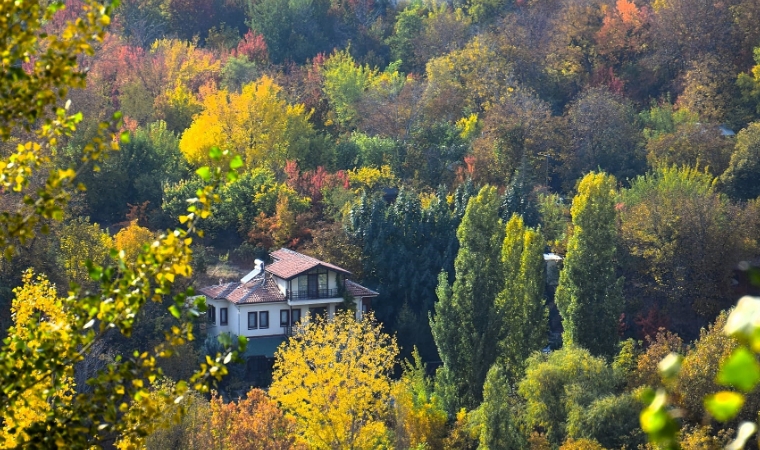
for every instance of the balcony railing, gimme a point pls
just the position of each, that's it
(311, 294)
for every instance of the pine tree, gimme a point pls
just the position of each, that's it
(467, 325)
(589, 295)
(521, 302)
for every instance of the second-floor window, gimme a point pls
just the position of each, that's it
(264, 319)
(284, 317)
(313, 284)
(222, 316)
(212, 314)
(252, 320)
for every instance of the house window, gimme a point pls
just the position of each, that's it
(222, 316)
(212, 314)
(264, 319)
(296, 316)
(284, 317)
(252, 322)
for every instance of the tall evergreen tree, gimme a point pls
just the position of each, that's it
(467, 324)
(405, 246)
(589, 295)
(521, 302)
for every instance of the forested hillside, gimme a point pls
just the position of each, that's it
(436, 150)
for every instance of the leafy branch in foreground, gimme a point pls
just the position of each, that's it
(739, 374)
(39, 405)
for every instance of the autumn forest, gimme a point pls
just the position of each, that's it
(557, 202)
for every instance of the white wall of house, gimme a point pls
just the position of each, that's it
(282, 284)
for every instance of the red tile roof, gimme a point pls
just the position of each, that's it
(258, 290)
(289, 264)
(357, 290)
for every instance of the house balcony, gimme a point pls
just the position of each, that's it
(313, 294)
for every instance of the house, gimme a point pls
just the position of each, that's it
(272, 298)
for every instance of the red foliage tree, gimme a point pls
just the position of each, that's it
(253, 47)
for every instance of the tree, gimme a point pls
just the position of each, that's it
(420, 417)
(131, 239)
(405, 246)
(561, 386)
(589, 295)
(133, 175)
(344, 84)
(499, 431)
(693, 145)
(686, 240)
(333, 376)
(39, 69)
(521, 302)
(293, 30)
(739, 179)
(604, 136)
(36, 303)
(80, 242)
(254, 422)
(468, 325)
(257, 124)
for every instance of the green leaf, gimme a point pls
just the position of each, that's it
(236, 162)
(724, 405)
(204, 172)
(175, 311)
(741, 370)
(215, 153)
(124, 137)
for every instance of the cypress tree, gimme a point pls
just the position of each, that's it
(521, 302)
(467, 325)
(589, 295)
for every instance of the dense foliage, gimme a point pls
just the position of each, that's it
(439, 151)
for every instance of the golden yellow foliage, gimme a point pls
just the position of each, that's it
(257, 124)
(332, 376)
(36, 302)
(131, 239)
(370, 177)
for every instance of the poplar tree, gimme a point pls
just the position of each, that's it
(589, 295)
(467, 324)
(521, 302)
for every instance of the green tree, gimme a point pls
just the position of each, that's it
(589, 295)
(405, 246)
(344, 84)
(80, 242)
(293, 29)
(560, 387)
(521, 302)
(467, 324)
(740, 179)
(499, 430)
(686, 239)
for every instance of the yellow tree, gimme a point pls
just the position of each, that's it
(257, 123)
(36, 305)
(38, 70)
(131, 239)
(80, 241)
(333, 377)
